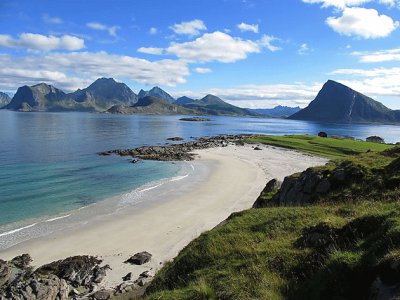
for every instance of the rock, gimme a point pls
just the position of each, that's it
(126, 287)
(50, 287)
(135, 161)
(272, 186)
(323, 187)
(178, 152)
(145, 274)
(375, 139)
(257, 148)
(5, 272)
(22, 262)
(175, 139)
(311, 180)
(77, 270)
(103, 294)
(195, 119)
(139, 258)
(323, 134)
(127, 277)
(339, 175)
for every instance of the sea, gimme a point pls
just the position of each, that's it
(51, 176)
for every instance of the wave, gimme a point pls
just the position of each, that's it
(57, 218)
(16, 230)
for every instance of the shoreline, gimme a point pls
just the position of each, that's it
(165, 227)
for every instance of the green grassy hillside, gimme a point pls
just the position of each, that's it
(335, 248)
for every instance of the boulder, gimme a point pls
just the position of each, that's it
(139, 258)
(257, 148)
(127, 277)
(323, 134)
(22, 262)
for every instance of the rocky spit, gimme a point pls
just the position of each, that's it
(182, 151)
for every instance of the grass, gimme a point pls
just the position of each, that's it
(333, 249)
(332, 148)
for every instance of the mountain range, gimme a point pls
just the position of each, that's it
(107, 95)
(276, 112)
(336, 102)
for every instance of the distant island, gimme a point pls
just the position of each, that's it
(336, 102)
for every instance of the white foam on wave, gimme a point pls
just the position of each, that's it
(17, 229)
(58, 218)
(134, 196)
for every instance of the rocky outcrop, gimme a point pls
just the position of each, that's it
(195, 119)
(58, 280)
(175, 139)
(178, 152)
(271, 187)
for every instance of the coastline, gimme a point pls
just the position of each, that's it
(164, 226)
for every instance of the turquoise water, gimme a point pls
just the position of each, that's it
(48, 161)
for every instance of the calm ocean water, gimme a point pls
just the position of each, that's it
(48, 161)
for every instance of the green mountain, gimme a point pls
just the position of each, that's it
(4, 99)
(151, 105)
(338, 103)
(212, 105)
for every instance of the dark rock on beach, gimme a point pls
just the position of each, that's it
(139, 258)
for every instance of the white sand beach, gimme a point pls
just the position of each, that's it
(235, 179)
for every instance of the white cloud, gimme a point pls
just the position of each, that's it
(112, 30)
(390, 3)
(362, 22)
(262, 96)
(378, 56)
(216, 46)
(248, 27)
(338, 3)
(304, 49)
(153, 30)
(266, 42)
(191, 28)
(74, 70)
(202, 70)
(151, 50)
(51, 20)
(40, 42)
(375, 83)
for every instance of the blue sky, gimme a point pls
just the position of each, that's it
(250, 53)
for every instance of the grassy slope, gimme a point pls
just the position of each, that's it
(326, 147)
(322, 251)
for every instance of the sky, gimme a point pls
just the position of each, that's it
(251, 53)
